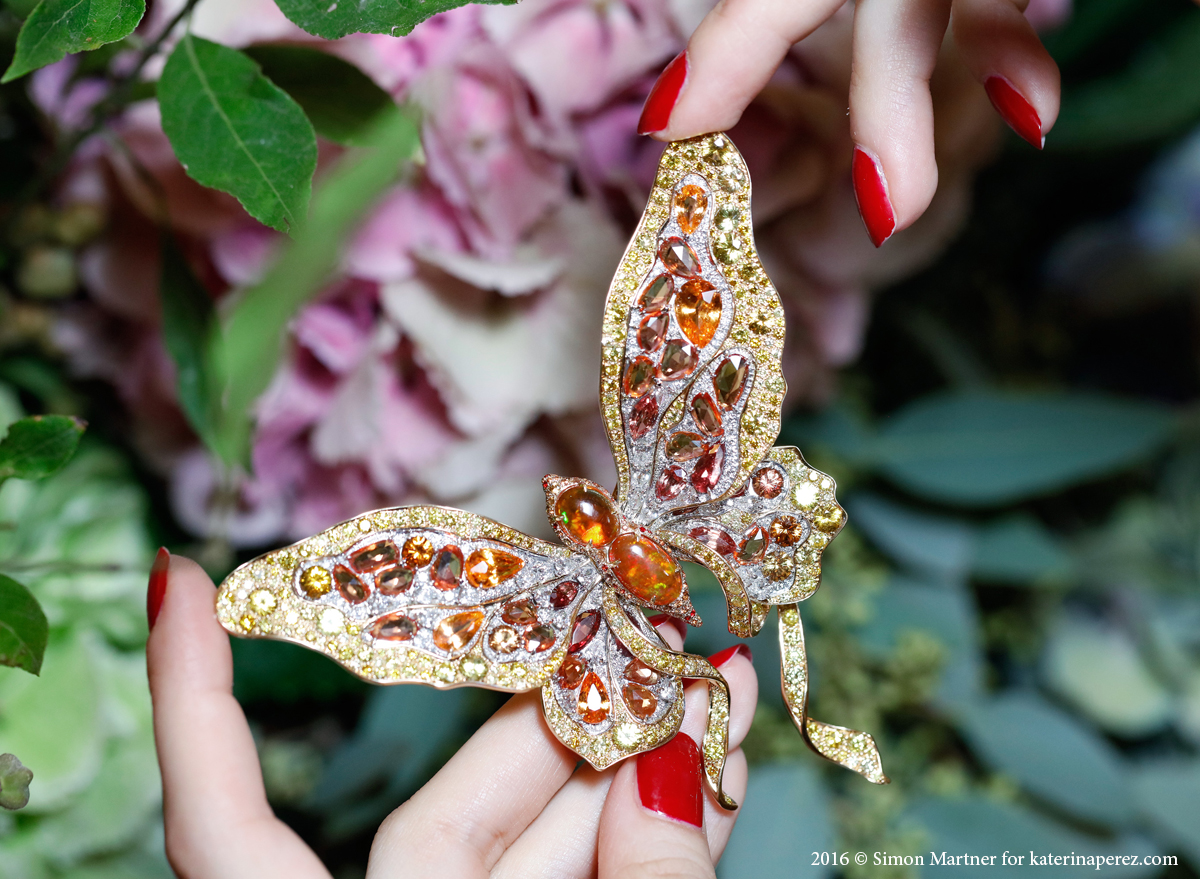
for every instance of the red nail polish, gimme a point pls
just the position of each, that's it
(870, 190)
(158, 584)
(1015, 110)
(669, 779)
(657, 111)
(674, 622)
(719, 659)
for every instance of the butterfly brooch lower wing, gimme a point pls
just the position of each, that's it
(691, 386)
(418, 595)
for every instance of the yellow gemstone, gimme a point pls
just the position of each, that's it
(487, 568)
(645, 569)
(829, 521)
(698, 310)
(417, 552)
(587, 515)
(262, 600)
(690, 204)
(455, 632)
(593, 699)
(316, 582)
(777, 566)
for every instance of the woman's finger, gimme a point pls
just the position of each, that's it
(217, 820)
(896, 44)
(1002, 50)
(729, 58)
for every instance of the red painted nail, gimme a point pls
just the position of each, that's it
(669, 779)
(674, 622)
(1015, 110)
(158, 584)
(719, 659)
(661, 101)
(870, 189)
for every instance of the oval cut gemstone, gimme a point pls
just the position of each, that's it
(657, 295)
(393, 581)
(571, 672)
(767, 483)
(593, 699)
(698, 310)
(651, 331)
(643, 416)
(714, 538)
(707, 472)
(564, 593)
(539, 639)
(642, 703)
(706, 415)
(417, 552)
(316, 582)
(690, 204)
(519, 613)
(455, 632)
(371, 558)
(394, 627)
(670, 483)
(679, 358)
(640, 673)
(679, 258)
(685, 446)
(753, 546)
(730, 379)
(645, 569)
(585, 629)
(639, 376)
(504, 640)
(448, 568)
(350, 586)
(587, 515)
(490, 567)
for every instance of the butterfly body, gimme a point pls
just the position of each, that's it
(691, 391)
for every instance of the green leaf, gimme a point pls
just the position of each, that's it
(23, 627)
(234, 130)
(188, 320)
(341, 101)
(1052, 755)
(14, 783)
(247, 351)
(939, 545)
(36, 447)
(1168, 793)
(56, 28)
(396, 17)
(1155, 96)
(784, 819)
(983, 449)
(1020, 549)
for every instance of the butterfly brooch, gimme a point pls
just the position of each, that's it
(691, 390)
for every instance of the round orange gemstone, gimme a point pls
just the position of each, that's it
(587, 514)
(646, 569)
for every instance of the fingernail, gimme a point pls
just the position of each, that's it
(1015, 110)
(674, 622)
(870, 189)
(661, 101)
(722, 657)
(669, 780)
(158, 584)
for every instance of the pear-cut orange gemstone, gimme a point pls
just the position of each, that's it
(643, 416)
(753, 546)
(706, 415)
(491, 567)
(714, 538)
(685, 446)
(520, 612)
(571, 672)
(678, 360)
(539, 639)
(593, 699)
(698, 310)
(642, 703)
(587, 515)
(690, 204)
(707, 472)
(448, 568)
(730, 379)
(679, 258)
(657, 295)
(645, 569)
(651, 331)
(639, 673)
(455, 632)
(639, 376)
(670, 483)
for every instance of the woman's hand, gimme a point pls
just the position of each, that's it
(511, 802)
(738, 45)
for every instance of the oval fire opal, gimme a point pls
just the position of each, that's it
(587, 514)
(646, 569)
